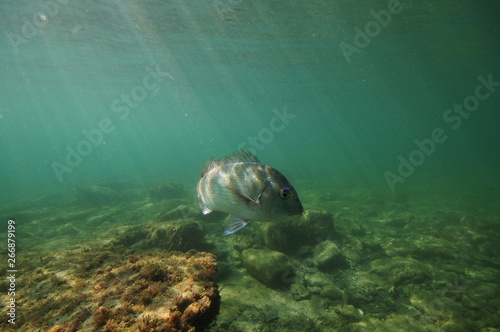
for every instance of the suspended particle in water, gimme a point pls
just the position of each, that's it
(42, 17)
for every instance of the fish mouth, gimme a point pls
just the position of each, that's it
(296, 213)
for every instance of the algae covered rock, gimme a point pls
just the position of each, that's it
(157, 292)
(349, 313)
(401, 271)
(180, 235)
(327, 256)
(332, 292)
(127, 235)
(272, 268)
(323, 284)
(299, 292)
(313, 227)
(177, 234)
(387, 280)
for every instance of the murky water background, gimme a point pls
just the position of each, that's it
(355, 104)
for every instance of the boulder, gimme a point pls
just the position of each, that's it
(323, 284)
(180, 234)
(272, 268)
(327, 256)
(313, 227)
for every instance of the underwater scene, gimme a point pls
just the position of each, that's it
(249, 165)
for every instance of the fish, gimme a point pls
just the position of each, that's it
(239, 184)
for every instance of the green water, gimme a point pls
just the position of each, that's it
(144, 92)
(229, 65)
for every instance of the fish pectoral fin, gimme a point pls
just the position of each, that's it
(244, 196)
(249, 199)
(256, 201)
(235, 225)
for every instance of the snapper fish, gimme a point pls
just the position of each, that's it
(242, 186)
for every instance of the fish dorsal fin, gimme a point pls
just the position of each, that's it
(242, 156)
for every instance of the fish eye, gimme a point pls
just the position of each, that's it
(285, 193)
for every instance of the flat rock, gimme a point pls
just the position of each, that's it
(158, 292)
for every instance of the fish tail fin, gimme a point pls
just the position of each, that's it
(235, 225)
